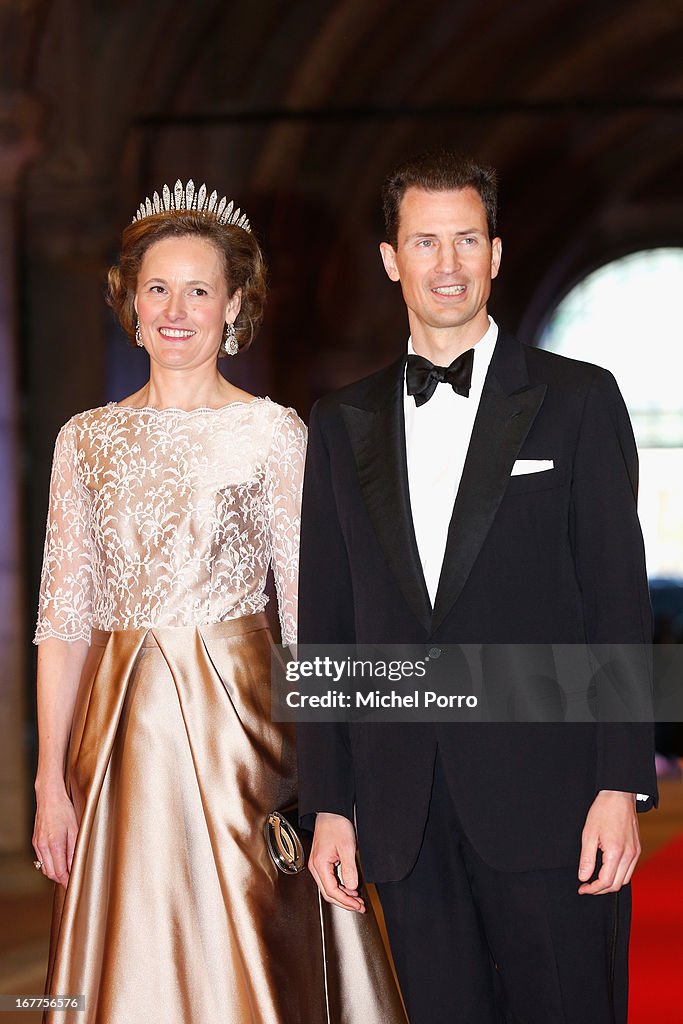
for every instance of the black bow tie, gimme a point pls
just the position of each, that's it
(423, 376)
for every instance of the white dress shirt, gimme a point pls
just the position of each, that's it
(437, 438)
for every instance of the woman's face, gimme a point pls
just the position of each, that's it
(182, 302)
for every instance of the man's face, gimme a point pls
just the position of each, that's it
(444, 260)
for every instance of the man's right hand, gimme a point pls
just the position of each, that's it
(333, 856)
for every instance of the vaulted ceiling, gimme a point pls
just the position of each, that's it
(299, 109)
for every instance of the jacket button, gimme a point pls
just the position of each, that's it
(434, 652)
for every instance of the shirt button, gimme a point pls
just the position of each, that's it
(434, 652)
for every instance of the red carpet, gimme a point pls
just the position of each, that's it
(657, 939)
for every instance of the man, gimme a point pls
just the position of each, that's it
(499, 509)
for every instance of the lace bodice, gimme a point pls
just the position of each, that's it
(171, 518)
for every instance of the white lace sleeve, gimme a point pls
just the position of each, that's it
(284, 473)
(65, 605)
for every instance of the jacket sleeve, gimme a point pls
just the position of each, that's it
(326, 616)
(610, 566)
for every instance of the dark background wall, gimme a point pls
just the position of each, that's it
(298, 110)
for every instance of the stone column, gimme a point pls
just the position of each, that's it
(19, 118)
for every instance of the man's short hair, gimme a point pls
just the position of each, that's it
(438, 171)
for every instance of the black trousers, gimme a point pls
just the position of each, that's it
(473, 945)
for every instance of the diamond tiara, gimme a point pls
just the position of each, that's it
(186, 197)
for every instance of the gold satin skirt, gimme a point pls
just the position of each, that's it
(174, 912)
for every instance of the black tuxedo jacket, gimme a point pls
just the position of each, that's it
(550, 557)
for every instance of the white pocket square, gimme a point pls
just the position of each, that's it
(522, 466)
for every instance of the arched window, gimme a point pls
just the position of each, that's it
(628, 317)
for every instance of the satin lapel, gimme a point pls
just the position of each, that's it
(500, 428)
(377, 436)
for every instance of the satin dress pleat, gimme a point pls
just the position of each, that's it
(173, 766)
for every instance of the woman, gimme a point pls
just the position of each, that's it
(153, 670)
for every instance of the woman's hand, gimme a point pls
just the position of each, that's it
(54, 833)
(56, 827)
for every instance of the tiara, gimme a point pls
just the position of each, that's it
(185, 197)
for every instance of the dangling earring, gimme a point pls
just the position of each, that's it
(138, 335)
(229, 345)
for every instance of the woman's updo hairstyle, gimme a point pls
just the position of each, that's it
(242, 261)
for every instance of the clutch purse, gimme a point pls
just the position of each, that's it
(287, 843)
